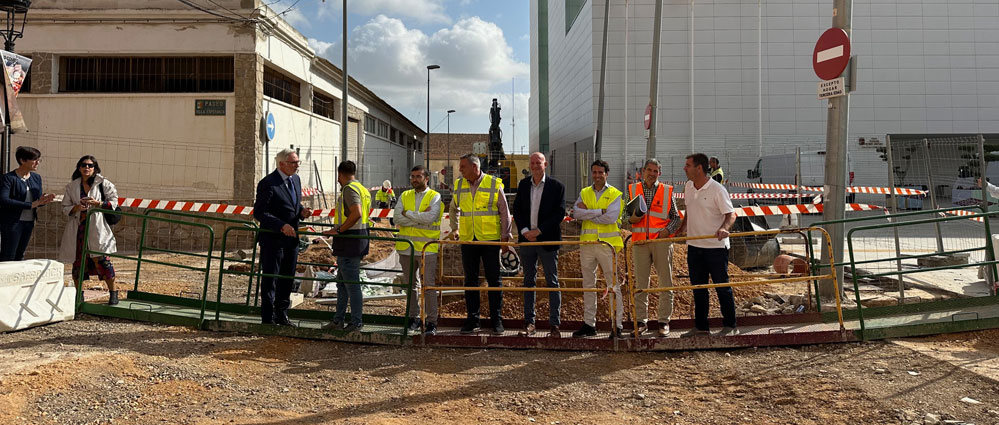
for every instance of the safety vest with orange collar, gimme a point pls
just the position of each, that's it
(657, 218)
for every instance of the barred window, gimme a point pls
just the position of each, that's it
(282, 88)
(383, 129)
(324, 106)
(146, 74)
(369, 124)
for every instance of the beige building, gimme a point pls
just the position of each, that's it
(172, 100)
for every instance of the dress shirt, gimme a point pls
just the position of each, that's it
(993, 190)
(536, 191)
(412, 218)
(504, 210)
(595, 215)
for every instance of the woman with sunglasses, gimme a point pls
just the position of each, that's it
(89, 189)
(20, 196)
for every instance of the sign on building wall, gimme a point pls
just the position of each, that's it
(209, 107)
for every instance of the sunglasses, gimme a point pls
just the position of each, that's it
(87, 165)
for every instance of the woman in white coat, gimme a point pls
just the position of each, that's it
(89, 189)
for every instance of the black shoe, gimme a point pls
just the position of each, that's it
(498, 327)
(616, 334)
(352, 327)
(333, 326)
(113, 298)
(529, 330)
(586, 330)
(471, 326)
(431, 329)
(415, 325)
(284, 322)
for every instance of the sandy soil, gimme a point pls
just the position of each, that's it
(103, 371)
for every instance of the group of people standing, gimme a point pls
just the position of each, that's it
(478, 212)
(21, 195)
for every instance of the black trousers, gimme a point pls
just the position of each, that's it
(470, 256)
(713, 262)
(14, 239)
(277, 256)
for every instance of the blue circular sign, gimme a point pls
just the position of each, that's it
(270, 126)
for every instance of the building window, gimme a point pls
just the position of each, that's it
(369, 125)
(383, 129)
(324, 106)
(572, 9)
(282, 88)
(146, 74)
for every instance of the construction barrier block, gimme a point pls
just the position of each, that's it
(32, 293)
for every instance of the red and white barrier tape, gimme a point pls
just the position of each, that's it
(796, 209)
(964, 213)
(738, 196)
(224, 208)
(850, 189)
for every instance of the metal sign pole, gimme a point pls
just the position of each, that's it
(837, 122)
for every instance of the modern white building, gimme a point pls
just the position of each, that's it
(736, 80)
(172, 99)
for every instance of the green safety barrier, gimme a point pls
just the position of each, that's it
(989, 260)
(817, 266)
(86, 252)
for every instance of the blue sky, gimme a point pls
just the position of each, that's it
(482, 46)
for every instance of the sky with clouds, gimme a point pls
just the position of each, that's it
(482, 47)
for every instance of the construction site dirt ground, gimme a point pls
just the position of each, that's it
(97, 370)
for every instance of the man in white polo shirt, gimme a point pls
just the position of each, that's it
(709, 212)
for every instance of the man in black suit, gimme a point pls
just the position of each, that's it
(278, 208)
(538, 210)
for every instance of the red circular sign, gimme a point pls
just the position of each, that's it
(648, 116)
(831, 54)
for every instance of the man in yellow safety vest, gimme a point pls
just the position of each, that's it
(479, 211)
(418, 215)
(599, 209)
(352, 210)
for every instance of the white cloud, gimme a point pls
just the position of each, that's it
(296, 18)
(423, 11)
(476, 63)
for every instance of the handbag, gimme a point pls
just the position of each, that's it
(110, 219)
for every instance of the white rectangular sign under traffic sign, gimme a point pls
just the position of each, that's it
(832, 88)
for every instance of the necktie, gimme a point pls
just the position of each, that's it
(291, 190)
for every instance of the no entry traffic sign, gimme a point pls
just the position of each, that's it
(832, 54)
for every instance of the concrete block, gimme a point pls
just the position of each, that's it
(943, 260)
(296, 299)
(33, 293)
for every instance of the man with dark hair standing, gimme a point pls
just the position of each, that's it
(709, 212)
(479, 210)
(418, 214)
(717, 174)
(538, 210)
(278, 208)
(351, 219)
(599, 208)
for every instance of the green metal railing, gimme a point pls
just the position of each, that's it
(86, 252)
(817, 267)
(258, 274)
(936, 220)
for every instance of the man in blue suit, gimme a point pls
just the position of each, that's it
(278, 208)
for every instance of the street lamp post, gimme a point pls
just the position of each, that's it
(426, 144)
(448, 163)
(16, 10)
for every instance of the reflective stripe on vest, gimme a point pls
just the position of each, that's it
(419, 234)
(591, 231)
(657, 217)
(364, 221)
(479, 215)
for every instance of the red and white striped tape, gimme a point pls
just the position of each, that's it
(738, 196)
(224, 208)
(309, 191)
(850, 189)
(796, 209)
(964, 213)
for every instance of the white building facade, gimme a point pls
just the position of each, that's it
(172, 100)
(736, 80)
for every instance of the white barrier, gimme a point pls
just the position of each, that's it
(32, 293)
